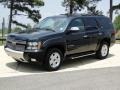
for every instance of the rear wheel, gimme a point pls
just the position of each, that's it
(103, 51)
(54, 58)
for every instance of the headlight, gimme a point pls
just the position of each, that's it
(34, 45)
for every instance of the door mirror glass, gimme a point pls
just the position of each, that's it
(74, 29)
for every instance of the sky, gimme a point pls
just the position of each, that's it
(52, 7)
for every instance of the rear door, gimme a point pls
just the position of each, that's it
(92, 32)
(107, 28)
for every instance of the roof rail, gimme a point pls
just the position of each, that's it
(81, 14)
(91, 15)
(67, 14)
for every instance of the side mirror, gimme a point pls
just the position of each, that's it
(74, 29)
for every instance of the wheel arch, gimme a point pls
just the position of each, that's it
(62, 48)
(103, 40)
(106, 40)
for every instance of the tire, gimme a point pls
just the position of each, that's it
(103, 51)
(53, 60)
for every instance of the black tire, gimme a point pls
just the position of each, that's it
(99, 54)
(46, 64)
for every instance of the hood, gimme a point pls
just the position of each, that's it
(31, 34)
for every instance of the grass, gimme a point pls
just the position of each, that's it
(118, 41)
(118, 36)
(2, 43)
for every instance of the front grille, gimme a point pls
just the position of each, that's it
(18, 46)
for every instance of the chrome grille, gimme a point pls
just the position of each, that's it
(16, 45)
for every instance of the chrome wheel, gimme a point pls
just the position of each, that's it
(55, 60)
(104, 50)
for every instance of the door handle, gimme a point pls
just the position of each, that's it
(85, 36)
(99, 33)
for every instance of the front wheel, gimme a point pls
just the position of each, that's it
(103, 51)
(54, 58)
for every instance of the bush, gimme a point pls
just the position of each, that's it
(117, 23)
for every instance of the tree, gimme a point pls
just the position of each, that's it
(74, 5)
(117, 22)
(91, 7)
(26, 7)
(17, 29)
(92, 10)
(29, 26)
(111, 10)
(116, 6)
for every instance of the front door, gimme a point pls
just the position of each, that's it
(77, 41)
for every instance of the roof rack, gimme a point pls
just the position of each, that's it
(67, 14)
(91, 15)
(83, 14)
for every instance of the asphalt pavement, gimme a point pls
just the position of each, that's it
(95, 79)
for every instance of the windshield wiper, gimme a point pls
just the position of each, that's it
(45, 29)
(37, 28)
(49, 29)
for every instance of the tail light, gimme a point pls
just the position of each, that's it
(113, 32)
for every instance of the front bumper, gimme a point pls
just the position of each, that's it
(18, 55)
(25, 56)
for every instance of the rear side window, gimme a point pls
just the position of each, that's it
(90, 24)
(105, 23)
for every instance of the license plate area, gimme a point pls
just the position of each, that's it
(20, 47)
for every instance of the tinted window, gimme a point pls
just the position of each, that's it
(90, 24)
(105, 23)
(77, 23)
(54, 23)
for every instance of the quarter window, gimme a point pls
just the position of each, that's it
(105, 23)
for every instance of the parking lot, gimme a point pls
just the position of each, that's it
(9, 68)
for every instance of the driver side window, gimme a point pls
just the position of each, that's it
(77, 23)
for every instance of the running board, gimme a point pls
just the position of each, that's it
(82, 56)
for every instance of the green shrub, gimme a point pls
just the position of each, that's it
(117, 23)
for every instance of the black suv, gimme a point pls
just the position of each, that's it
(58, 37)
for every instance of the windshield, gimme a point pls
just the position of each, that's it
(53, 23)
